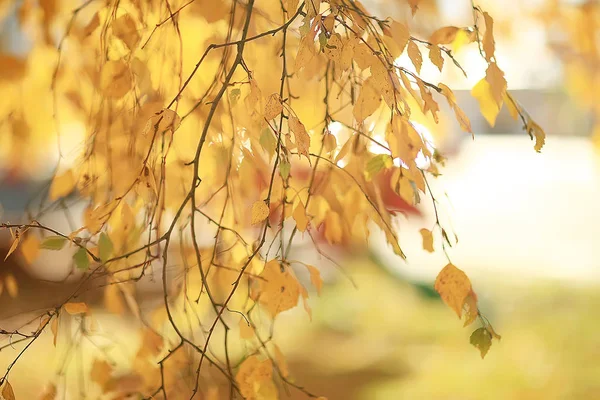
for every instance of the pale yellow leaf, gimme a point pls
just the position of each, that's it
(488, 106)
(368, 101)
(415, 55)
(260, 212)
(30, 248)
(254, 374)
(400, 34)
(300, 217)
(273, 107)
(454, 286)
(427, 237)
(435, 55)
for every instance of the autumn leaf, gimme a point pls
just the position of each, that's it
(76, 308)
(427, 237)
(280, 290)
(115, 80)
(538, 134)
(53, 243)
(62, 185)
(435, 56)
(300, 217)
(482, 340)
(315, 278)
(444, 35)
(7, 391)
(11, 285)
(301, 136)
(260, 212)
(415, 55)
(105, 247)
(495, 77)
(454, 286)
(489, 45)
(472, 312)
(368, 101)
(488, 106)
(246, 330)
(273, 107)
(252, 375)
(125, 29)
(30, 248)
(16, 239)
(101, 373)
(81, 259)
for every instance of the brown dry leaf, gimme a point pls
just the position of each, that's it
(11, 285)
(246, 330)
(427, 237)
(495, 77)
(252, 375)
(435, 56)
(260, 212)
(454, 286)
(125, 29)
(280, 290)
(76, 308)
(315, 278)
(489, 45)
(300, 217)
(62, 185)
(415, 55)
(445, 35)
(116, 80)
(300, 135)
(30, 248)
(7, 391)
(273, 107)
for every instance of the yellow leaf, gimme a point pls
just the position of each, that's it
(280, 290)
(95, 218)
(30, 248)
(461, 117)
(368, 101)
(454, 286)
(435, 55)
(333, 228)
(427, 237)
(445, 35)
(54, 329)
(115, 80)
(495, 78)
(512, 105)
(125, 29)
(315, 278)
(488, 106)
(13, 246)
(400, 34)
(300, 217)
(306, 52)
(538, 133)
(11, 285)
(62, 185)
(462, 39)
(260, 212)
(489, 45)
(273, 107)
(481, 338)
(301, 136)
(7, 391)
(113, 301)
(252, 375)
(415, 55)
(291, 6)
(246, 330)
(76, 308)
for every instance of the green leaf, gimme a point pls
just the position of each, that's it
(53, 243)
(234, 96)
(81, 259)
(376, 164)
(105, 247)
(481, 339)
(284, 169)
(268, 141)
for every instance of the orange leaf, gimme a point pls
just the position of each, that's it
(427, 237)
(260, 212)
(444, 35)
(76, 308)
(300, 217)
(454, 286)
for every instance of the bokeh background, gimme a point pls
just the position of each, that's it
(528, 226)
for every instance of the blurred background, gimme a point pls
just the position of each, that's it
(527, 226)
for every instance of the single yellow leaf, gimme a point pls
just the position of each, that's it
(454, 286)
(538, 133)
(368, 101)
(306, 52)
(415, 55)
(13, 246)
(7, 391)
(315, 278)
(62, 185)
(49, 393)
(101, 373)
(427, 237)
(435, 55)
(301, 136)
(400, 34)
(252, 375)
(279, 290)
(76, 308)
(260, 212)
(125, 29)
(488, 106)
(12, 288)
(445, 35)
(273, 107)
(300, 217)
(113, 301)
(30, 248)
(333, 228)
(489, 45)
(246, 330)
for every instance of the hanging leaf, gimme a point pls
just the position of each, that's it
(105, 247)
(489, 45)
(454, 286)
(481, 339)
(53, 243)
(415, 55)
(427, 237)
(76, 308)
(81, 259)
(273, 107)
(62, 185)
(260, 212)
(300, 217)
(445, 35)
(7, 391)
(435, 55)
